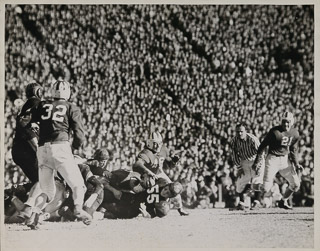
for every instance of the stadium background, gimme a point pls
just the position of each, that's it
(194, 71)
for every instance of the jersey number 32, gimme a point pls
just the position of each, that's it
(57, 115)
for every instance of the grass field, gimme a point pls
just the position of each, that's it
(209, 228)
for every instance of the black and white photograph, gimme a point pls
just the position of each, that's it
(149, 125)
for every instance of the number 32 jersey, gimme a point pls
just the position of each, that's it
(57, 118)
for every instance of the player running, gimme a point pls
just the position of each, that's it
(244, 148)
(282, 157)
(57, 118)
(150, 161)
(25, 142)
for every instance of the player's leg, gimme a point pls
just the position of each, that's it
(90, 210)
(46, 181)
(291, 176)
(272, 166)
(34, 193)
(28, 163)
(257, 186)
(67, 167)
(243, 184)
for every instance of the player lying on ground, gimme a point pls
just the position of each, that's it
(19, 202)
(62, 206)
(151, 159)
(154, 193)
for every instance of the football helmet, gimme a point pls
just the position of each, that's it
(101, 154)
(34, 90)
(288, 116)
(162, 208)
(61, 89)
(154, 142)
(147, 181)
(175, 188)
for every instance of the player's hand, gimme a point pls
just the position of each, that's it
(240, 172)
(88, 203)
(35, 127)
(143, 210)
(117, 194)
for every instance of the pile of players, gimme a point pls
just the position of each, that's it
(68, 188)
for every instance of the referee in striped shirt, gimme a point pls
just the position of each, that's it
(244, 148)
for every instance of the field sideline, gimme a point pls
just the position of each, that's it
(209, 228)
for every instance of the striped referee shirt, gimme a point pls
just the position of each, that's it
(244, 149)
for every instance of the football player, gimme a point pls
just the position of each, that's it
(151, 159)
(93, 196)
(282, 141)
(18, 199)
(98, 164)
(57, 118)
(25, 142)
(155, 198)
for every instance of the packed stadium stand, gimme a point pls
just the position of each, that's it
(194, 71)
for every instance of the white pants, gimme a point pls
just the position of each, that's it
(282, 165)
(59, 158)
(249, 176)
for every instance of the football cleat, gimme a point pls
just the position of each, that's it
(33, 221)
(82, 215)
(284, 204)
(182, 212)
(61, 90)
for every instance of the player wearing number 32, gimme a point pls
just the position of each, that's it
(57, 118)
(282, 157)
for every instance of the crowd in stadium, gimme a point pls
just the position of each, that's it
(193, 71)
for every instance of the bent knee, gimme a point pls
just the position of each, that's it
(295, 186)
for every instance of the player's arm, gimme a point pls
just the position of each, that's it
(77, 127)
(116, 193)
(33, 143)
(293, 153)
(140, 165)
(261, 149)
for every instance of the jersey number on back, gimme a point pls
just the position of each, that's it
(58, 115)
(153, 194)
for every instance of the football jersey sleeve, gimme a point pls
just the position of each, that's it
(294, 149)
(77, 126)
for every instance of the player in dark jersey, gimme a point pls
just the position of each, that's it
(129, 205)
(25, 142)
(151, 159)
(282, 157)
(57, 118)
(98, 164)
